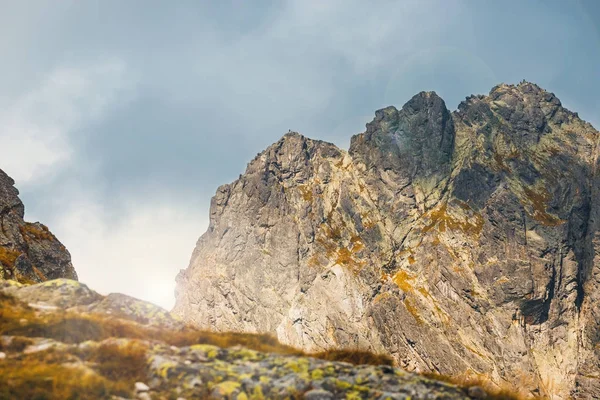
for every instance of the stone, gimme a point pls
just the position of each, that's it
(141, 387)
(477, 392)
(29, 252)
(454, 241)
(318, 394)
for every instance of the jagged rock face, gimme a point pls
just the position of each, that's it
(457, 242)
(29, 252)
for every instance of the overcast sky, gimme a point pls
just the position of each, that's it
(119, 119)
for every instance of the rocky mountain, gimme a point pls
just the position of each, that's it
(29, 252)
(61, 340)
(457, 242)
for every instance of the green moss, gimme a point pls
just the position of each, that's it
(316, 374)
(353, 396)
(210, 350)
(298, 365)
(227, 388)
(342, 385)
(257, 393)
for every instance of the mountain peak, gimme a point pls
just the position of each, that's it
(436, 237)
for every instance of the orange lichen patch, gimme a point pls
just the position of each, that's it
(424, 291)
(307, 193)
(539, 201)
(367, 221)
(39, 273)
(413, 311)
(313, 261)
(327, 245)
(32, 231)
(403, 280)
(411, 260)
(382, 296)
(443, 219)
(502, 280)
(8, 257)
(344, 257)
(356, 243)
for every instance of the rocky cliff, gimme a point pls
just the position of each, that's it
(458, 242)
(29, 252)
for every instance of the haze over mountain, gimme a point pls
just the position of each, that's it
(118, 120)
(456, 242)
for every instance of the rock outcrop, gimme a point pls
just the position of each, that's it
(461, 242)
(60, 340)
(29, 252)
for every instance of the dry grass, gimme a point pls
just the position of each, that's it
(8, 257)
(356, 357)
(469, 380)
(30, 230)
(76, 328)
(47, 375)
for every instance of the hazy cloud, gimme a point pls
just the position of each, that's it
(36, 128)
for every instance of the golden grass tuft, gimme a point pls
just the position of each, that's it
(30, 230)
(356, 357)
(466, 381)
(47, 375)
(8, 257)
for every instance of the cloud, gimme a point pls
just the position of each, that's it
(37, 129)
(138, 254)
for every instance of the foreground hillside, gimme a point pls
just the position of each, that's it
(61, 340)
(456, 242)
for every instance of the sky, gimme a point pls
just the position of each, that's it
(119, 119)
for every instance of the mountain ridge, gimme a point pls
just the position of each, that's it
(455, 241)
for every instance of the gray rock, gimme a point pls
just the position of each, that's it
(477, 392)
(318, 394)
(29, 252)
(141, 387)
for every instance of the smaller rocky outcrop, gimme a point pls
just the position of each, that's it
(29, 252)
(61, 340)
